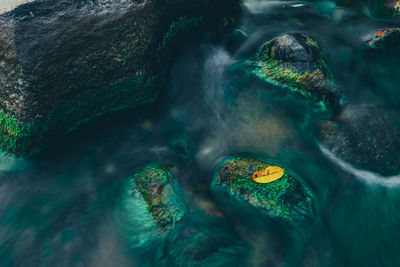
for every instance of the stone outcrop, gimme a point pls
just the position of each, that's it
(63, 62)
(287, 199)
(296, 61)
(159, 189)
(366, 136)
(388, 38)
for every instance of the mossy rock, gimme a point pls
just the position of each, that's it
(48, 87)
(366, 136)
(388, 38)
(287, 199)
(159, 189)
(296, 61)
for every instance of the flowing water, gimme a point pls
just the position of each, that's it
(63, 208)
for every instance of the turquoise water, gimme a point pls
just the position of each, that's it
(67, 207)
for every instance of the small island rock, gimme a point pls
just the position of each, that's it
(287, 198)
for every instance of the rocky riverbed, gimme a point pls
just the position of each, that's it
(261, 136)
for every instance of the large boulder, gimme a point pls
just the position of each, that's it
(296, 61)
(63, 62)
(366, 136)
(287, 199)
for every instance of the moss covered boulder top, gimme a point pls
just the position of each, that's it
(287, 198)
(296, 61)
(159, 189)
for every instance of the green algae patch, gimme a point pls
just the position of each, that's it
(287, 199)
(297, 62)
(161, 193)
(12, 134)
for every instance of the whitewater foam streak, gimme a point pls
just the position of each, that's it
(368, 177)
(213, 78)
(261, 6)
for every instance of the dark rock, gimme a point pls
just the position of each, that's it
(386, 38)
(296, 61)
(366, 136)
(287, 199)
(63, 62)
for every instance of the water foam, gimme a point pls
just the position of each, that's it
(368, 177)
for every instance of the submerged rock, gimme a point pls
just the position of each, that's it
(366, 136)
(287, 199)
(158, 188)
(154, 218)
(296, 61)
(63, 62)
(386, 38)
(208, 241)
(183, 146)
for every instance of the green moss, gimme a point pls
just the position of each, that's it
(13, 134)
(286, 198)
(312, 42)
(308, 84)
(276, 74)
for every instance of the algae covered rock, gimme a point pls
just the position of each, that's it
(296, 61)
(388, 38)
(159, 189)
(150, 209)
(287, 198)
(366, 136)
(64, 62)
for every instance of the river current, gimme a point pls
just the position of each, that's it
(62, 207)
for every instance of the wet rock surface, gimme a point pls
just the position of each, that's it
(287, 199)
(366, 136)
(388, 38)
(296, 61)
(48, 85)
